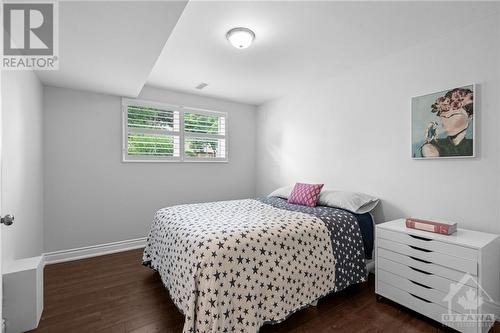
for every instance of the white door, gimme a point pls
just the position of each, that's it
(6, 220)
(2, 328)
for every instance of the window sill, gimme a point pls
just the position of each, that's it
(174, 161)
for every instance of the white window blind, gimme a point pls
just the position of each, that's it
(204, 136)
(156, 132)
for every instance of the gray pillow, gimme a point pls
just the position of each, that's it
(358, 203)
(282, 192)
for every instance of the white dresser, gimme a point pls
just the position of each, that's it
(452, 279)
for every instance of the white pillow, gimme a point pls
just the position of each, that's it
(282, 192)
(358, 203)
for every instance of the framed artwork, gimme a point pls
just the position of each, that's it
(442, 124)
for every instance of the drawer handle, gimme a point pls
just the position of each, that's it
(420, 284)
(421, 238)
(419, 248)
(420, 271)
(421, 260)
(420, 298)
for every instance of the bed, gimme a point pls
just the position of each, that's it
(237, 265)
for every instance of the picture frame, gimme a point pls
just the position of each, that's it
(443, 124)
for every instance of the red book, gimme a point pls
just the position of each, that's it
(444, 228)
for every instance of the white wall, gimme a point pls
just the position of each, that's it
(22, 174)
(92, 197)
(353, 132)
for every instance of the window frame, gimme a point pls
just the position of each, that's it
(182, 109)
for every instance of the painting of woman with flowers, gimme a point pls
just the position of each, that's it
(443, 124)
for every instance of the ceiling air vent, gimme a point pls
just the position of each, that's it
(201, 85)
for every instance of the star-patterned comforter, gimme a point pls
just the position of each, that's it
(232, 266)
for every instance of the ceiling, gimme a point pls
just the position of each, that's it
(111, 47)
(296, 42)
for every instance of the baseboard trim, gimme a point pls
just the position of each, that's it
(370, 265)
(93, 251)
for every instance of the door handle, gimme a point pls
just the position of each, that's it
(7, 219)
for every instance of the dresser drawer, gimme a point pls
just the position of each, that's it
(420, 276)
(429, 256)
(420, 290)
(429, 244)
(424, 307)
(428, 269)
(430, 273)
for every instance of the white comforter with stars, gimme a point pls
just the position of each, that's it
(232, 266)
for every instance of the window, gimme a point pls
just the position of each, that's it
(156, 132)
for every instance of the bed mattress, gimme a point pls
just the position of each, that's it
(236, 265)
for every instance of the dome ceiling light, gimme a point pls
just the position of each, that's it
(240, 38)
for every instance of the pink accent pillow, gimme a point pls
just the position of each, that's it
(305, 194)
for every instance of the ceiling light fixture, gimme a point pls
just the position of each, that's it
(240, 38)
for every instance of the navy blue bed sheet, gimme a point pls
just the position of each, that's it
(365, 221)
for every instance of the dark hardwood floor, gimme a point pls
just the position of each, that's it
(116, 294)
